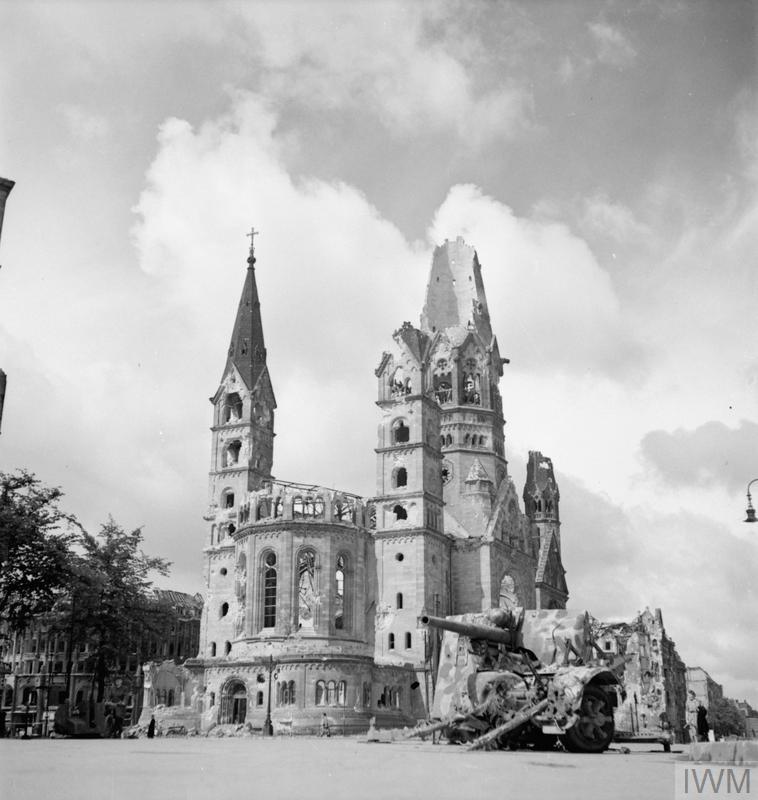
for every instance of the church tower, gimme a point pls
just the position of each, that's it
(241, 448)
(541, 498)
(465, 367)
(412, 552)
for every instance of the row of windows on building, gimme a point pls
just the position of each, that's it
(442, 387)
(308, 593)
(56, 667)
(401, 435)
(408, 641)
(302, 507)
(326, 693)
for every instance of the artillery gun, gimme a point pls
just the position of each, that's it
(514, 678)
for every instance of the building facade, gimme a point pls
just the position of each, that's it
(706, 689)
(314, 594)
(654, 675)
(37, 679)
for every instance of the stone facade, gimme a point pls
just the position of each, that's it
(705, 688)
(314, 594)
(654, 675)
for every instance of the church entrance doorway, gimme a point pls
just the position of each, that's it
(233, 704)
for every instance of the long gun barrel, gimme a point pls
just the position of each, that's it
(470, 629)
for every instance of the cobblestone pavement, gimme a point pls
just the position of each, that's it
(201, 769)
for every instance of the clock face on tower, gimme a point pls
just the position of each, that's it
(447, 471)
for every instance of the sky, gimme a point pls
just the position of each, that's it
(602, 157)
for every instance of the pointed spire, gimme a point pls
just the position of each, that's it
(247, 350)
(455, 293)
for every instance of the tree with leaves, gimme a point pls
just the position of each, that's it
(111, 605)
(725, 718)
(36, 559)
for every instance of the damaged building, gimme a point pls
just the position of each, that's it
(314, 594)
(654, 677)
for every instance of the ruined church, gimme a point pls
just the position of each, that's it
(313, 594)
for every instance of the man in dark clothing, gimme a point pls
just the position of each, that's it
(151, 728)
(702, 724)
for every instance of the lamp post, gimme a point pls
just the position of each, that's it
(268, 728)
(750, 511)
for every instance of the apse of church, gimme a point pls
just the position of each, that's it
(317, 592)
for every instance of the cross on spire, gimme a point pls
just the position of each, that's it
(253, 233)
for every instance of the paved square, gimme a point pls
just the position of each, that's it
(338, 769)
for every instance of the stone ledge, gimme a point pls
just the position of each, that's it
(737, 752)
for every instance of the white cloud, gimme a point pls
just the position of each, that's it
(531, 268)
(376, 57)
(611, 45)
(612, 220)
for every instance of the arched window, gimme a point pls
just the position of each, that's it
(258, 699)
(400, 432)
(213, 649)
(227, 499)
(227, 648)
(269, 590)
(401, 477)
(399, 512)
(232, 453)
(224, 610)
(391, 642)
(399, 600)
(232, 407)
(320, 693)
(408, 640)
(297, 507)
(399, 384)
(341, 693)
(291, 692)
(170, 698)
(331, 693)
(339, 594)
(443, 389)
(306, 589)
(344, 510)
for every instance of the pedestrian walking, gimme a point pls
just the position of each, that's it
(692, 706)
(324, 730)
(702, 723)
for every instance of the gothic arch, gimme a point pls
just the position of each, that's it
(233, 708)
(342, 592)
(401, 433)
(269, 587)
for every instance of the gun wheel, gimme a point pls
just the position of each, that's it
(593, 731)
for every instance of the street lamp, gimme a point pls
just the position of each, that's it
(750, 511)
(268, 728)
